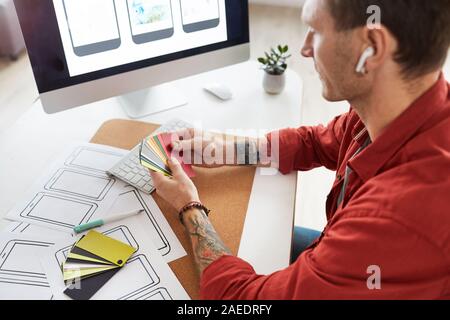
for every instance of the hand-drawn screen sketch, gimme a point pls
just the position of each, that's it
(72, 212)
(80, 184)
(21, 274)
(157, 294)
(76, 190)
(32, 229)
(92, 158)
(134, 196)
(145, 276)
(115, 288)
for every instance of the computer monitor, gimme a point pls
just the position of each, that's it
(82, 51)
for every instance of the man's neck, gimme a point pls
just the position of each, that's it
(388, 100)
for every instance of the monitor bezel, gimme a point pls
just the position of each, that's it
(46, 52)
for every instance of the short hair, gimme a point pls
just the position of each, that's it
(421, 27)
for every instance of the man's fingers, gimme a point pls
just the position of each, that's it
(184, 134)
(157, 178)
(175, 167)
(191, 144)
(183, 145)
(184, 150)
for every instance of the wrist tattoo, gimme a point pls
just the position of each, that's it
(247, 152)
(206, 243)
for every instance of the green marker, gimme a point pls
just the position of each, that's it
(98, 223)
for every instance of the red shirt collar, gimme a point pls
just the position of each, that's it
(368, 163)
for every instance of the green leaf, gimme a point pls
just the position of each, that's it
(275, 58)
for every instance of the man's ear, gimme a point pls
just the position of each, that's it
(361, 66)
(383, 44)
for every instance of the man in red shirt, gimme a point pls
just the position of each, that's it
(388, 231)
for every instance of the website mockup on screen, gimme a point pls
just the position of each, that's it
(150, 16)
(101, 34)
(198, 11)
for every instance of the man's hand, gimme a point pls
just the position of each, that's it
(178, 190)
(214, 150)
(203, 149)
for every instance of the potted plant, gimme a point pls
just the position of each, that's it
(274, 65)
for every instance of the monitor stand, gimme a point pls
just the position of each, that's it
(150, 101)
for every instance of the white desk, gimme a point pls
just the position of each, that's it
(32, 143)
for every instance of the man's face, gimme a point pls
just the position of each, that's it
(335, 54)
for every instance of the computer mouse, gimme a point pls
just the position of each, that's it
(220, 91)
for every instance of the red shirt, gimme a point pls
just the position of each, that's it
(395, 213)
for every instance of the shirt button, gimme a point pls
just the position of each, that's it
(339, 177)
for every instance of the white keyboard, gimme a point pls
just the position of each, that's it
(130, 170)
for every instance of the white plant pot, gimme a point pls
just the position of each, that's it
(274, 84)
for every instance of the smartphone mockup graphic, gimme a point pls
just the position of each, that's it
(75, 211)
(150, 20)
(93, 26)
(18, 266)
(91, 186)
(82, 158)
(199, 14)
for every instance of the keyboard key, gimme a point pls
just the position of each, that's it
(136, 179)
(141, 183)
(129, 176)
(116, 170)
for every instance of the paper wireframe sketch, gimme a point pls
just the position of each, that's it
(152, 221)
(145, 276)
(32, 229)
(21, 274)
(74, 190)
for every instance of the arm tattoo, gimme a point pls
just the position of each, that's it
(206, 243)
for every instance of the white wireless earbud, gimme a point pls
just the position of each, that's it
(361, 67)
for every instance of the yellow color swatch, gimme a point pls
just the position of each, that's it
(105, 247)
(74, 274)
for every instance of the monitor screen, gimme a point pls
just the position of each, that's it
(76, 41)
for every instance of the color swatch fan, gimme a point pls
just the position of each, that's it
(91, 262)
(154, 155)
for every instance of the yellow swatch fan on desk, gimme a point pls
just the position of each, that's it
(91, 262)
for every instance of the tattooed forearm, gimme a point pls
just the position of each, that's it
(206, 243)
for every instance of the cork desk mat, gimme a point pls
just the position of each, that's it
(226, 191)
